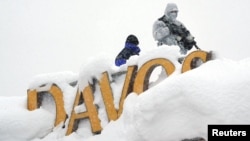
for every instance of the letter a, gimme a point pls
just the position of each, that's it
(91, 113)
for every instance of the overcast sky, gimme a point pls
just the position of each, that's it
(49, 36)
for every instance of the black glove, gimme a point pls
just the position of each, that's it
(188, 44)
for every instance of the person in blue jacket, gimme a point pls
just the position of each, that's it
(131, 48)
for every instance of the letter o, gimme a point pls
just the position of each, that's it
(143, 74)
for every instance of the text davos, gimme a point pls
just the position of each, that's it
(136, 81)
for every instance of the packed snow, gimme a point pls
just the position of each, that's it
(179, 106)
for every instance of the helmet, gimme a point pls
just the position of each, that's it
(171, 11)
(132, 39)
(170, 8)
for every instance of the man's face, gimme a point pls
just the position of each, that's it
(173, 14)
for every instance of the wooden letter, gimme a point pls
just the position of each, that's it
(34, 103)
(127, 86)
(194, 56)
(143, 75)
(91, 113)
(107, 96)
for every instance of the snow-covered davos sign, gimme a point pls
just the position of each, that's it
(136, 80)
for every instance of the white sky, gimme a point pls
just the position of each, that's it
(46, 36)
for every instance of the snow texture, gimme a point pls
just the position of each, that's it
(179, 106)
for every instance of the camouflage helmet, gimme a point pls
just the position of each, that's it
(170, 8)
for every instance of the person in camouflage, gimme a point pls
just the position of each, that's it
(169, 31)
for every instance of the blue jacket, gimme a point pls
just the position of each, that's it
(129, 50)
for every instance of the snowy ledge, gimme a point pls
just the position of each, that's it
(217, 92)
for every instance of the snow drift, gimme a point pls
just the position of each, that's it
(174, 107)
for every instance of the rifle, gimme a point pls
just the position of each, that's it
(182, 32)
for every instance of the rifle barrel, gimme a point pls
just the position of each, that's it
(196, 46)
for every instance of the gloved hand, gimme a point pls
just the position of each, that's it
(163, 32)
(188, 42)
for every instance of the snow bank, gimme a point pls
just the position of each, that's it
(180, 106)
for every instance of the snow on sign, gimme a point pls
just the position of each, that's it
(136, 80)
